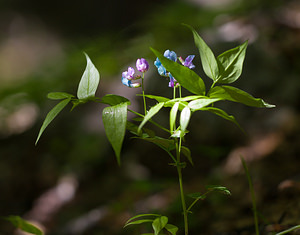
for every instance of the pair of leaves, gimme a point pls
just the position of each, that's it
(24, 225)
(86, 91)
(158, 223)
(227, 67)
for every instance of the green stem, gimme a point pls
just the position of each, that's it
(154, 123)
(252, 195)
(143, 92)
(179, 171)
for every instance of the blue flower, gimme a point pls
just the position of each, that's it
(171, 55)
(160, 68)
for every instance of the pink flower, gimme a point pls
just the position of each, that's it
(142, 65)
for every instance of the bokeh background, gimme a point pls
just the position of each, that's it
(70, 182)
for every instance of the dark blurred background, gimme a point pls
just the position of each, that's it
(70, 182)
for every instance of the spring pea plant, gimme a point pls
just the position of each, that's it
(223, 70)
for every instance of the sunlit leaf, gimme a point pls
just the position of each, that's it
(154, 110)
(201, 103)
(114, 99)
(173, 115)
(140, 216)
(24, 225)
(171, 229)
(159, 223)
(114, 120)
(234, 94)
(209, 62)
(186, 77)
(89, 81)
(59, 95)
(231, 63)
(51, 115)
(185, 118)
(157, 98)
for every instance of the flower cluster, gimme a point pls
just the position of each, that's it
(129, 75)
(171, 55)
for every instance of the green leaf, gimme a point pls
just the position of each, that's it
(218, 188)
(231, 63)
(209, 62)
(173, 114)
(157, 98)
(140, 216)
(59, 95)
(201, 103)
(114, 120)
(187, 153)
(185, 76)
(236, 95)
(159, 223)
(139, 222)
(154, 110)
(171, 228)
(51, 115)
(22, 224)
(222, 114)
(185, 118)
(89, 81)
(114, 99)
(165, 143)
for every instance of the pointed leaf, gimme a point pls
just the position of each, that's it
(140, 216)
(22, 224)
(201, 103)
(185, 118)
(209, 62)
(51, 115)
(231, 63)
(173, 114)
(157, 98)
(222, 114)
(171, 229)
(59, 95)
(89, 81)
(154, 110)
(114, 120)
(218, 188)
(114, 99)
(185, 76)
(187, 153)
(159, 223)
(236, 95)
(139, 222)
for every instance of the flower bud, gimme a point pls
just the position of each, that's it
(142, 65)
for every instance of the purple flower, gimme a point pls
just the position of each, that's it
(128, 74)
(171, 55)
(127, 78)
(188, 61)
(142, 65)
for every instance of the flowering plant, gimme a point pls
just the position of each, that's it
(222, 70)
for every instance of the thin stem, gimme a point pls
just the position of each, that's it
(179, 91)
(154, 123)
(143, 92)
(252, 195)
(174, 92)
(179, 171)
